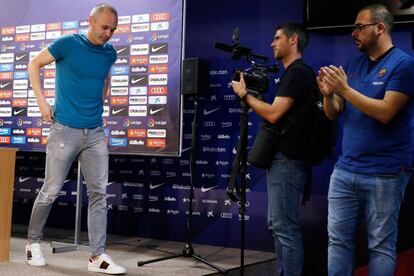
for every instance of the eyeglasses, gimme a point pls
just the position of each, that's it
(359, 27)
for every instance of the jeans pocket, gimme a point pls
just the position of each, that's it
(58, 127)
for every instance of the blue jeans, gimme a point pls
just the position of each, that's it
(377, 197)
(285, 180)
(64, 144)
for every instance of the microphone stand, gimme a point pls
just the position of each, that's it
(188, 250)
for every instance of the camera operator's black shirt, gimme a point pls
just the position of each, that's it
(299, 83)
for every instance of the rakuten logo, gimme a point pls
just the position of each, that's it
(119, 80)
(137, 111)
(158, 79)
(139, 49)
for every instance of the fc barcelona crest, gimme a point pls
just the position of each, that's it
(382, 72)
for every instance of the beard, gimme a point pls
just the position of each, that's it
(370, 44)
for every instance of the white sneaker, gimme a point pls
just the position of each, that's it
(34, 255)
(105, 264)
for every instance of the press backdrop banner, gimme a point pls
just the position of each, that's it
(142, 111)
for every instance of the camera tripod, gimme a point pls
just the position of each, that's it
(188, 250)
(238, 193)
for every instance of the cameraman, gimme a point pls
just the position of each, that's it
(288, 171)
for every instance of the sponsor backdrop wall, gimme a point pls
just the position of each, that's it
(142, 111)
(148, 196)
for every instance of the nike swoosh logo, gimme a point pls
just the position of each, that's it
(152, 112)
(21, 180)
(121, 50)
(110, 183)
(114, 112)
(18, 112)
(203, 190)
(20, 57)
(186, 149)
(156, 49)
(152, 187)
(210, 111)
(66, 181)
(137, 80)
(4, 84)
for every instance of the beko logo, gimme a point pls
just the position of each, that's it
(143, 27)
(158, 59)
(22, 29)
(156, 133)
(137, 100)
(38, 36)
(121, 91)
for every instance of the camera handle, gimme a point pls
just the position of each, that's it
(234, 191)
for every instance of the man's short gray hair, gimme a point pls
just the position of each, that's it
(101, 7)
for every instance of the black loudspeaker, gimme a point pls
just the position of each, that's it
(194, 77)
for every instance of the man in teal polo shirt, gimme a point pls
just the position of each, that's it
(82, 66)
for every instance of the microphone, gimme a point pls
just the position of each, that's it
(223, 47)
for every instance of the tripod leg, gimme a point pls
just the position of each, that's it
(195, 256)
(159, 259)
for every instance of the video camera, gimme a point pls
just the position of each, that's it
(257, 76)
